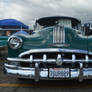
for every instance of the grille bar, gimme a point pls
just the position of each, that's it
(59, 35)
(46, 60)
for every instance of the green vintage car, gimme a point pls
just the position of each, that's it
(58, 49)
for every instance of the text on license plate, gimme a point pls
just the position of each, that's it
(59, 72)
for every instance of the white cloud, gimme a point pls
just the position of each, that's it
(27, 10)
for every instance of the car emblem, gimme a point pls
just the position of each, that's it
(59, 60)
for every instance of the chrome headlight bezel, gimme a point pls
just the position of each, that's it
(15, 42)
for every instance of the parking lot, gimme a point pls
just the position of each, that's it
(9, 84)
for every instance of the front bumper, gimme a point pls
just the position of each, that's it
(37, 74)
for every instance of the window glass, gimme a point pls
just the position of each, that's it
(38, 27)
(65, 22)
(7, 32)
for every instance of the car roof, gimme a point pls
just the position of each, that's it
(44, 20)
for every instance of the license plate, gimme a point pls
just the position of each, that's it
(59, 72)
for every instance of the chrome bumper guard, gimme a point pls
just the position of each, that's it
(37, 74)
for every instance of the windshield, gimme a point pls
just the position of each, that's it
(65, 22)
(51, 22)
(6, 32)
(37, 26)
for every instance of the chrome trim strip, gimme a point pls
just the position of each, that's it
(31, 58)
(18, 60)
(48, 60)
(73, 58)
(58, 60)
(87, 58)
(54, 50)
(58, 35)
(81, 72)
(44, 58)
(36, 72)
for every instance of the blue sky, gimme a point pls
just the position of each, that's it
(29, 10)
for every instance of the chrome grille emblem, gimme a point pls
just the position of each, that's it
(59, 35)
(59, 60)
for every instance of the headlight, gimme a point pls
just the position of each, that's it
(15, 42)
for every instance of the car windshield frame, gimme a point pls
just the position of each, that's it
(51, 21)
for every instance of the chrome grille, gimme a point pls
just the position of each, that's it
(53, 57)
(56, 58)
(59, 35)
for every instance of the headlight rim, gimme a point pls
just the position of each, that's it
(17, 37)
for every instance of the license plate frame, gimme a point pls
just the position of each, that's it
(58, 73)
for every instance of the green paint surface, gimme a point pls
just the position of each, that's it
(44, 39)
